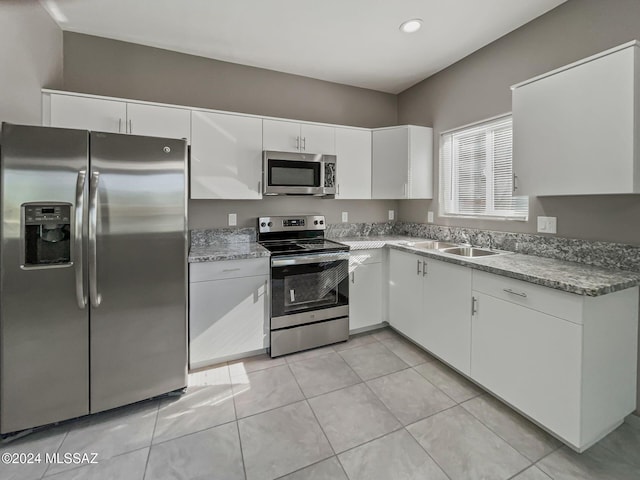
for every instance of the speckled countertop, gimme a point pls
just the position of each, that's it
(570, 277)
(223, 250)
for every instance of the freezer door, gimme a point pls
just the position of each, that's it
(44, 348)
(137, 268)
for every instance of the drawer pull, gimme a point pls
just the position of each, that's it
(230, 269)
(520, 294)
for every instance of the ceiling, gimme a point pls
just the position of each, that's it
(354, 42)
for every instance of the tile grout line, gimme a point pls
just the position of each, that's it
(504, 439)
(244, 467)
(155, 424)
(236, 421)
(66, 434)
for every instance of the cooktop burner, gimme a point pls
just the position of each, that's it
(301, 234)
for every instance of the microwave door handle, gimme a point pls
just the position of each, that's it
(81, 298)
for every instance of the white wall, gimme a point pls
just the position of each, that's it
(30, 59)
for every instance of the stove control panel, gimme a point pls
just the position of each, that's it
(291, 223)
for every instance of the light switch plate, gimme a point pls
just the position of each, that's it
(392, 214)
(429, 216)
(547, 224)
(233, 219)
(345, 216)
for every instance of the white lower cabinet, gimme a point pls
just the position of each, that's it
(366, 306)
(228, 310)
(566, 361)
(430, 302)
(405, 293)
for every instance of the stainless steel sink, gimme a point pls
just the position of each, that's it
(431, 245)
(470, 251)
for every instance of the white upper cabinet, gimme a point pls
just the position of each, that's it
(86, 113)
(114, 116)
(353, 151)
(285, 136)
(226, 156)
(157, 121)
(402, 163)
(575, 129)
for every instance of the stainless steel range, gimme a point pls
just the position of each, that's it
(309, 283)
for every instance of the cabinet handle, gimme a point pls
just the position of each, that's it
(419, 262)
(130, 126)
(474, 306)
(297, 143)
(304, 143)
(259, 187)
(515, 182)
(337, 189)
(353, 277)
(230, 269)
(520, 294)
(404, 190)
(119, 125)
(424, 268)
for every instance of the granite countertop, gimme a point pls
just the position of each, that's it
(570, 277)
(223, 250)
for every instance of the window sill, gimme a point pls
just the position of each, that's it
(484, 217)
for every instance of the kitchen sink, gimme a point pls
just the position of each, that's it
(470, 251)
(431, 245)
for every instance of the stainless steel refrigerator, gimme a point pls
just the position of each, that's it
(93, 290)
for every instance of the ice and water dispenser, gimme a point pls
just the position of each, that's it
(46, 234)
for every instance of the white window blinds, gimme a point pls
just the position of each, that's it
(476, 172)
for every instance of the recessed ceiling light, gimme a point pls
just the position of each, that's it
(411, 26)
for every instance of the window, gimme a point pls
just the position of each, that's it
(476, 174)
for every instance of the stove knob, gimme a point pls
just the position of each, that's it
(270, 224)
(263, 224)
(315, 222)
(321, 222)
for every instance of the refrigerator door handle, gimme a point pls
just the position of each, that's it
(93, 253)
(77, 240)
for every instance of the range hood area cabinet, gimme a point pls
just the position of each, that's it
(575, 128)
(402, 163)
(285, 136)
(86, 112)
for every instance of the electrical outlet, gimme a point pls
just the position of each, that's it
(429, 216)
(392, 214)
(233, 219)
(345, 217)
(547, 224)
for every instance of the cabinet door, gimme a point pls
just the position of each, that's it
(227, 317)
(574, 131)
(531, 360)
(420, 162)
(405, 293)
(226, 156)
(88, 113)
(318, 139)
(353, 150)
(447, 313)
(365, 295)
(281, 136)
(390, 171)
(157, 121)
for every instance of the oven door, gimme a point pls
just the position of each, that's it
(309, 288)
(287, 173)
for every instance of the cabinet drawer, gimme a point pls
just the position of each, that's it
(543, 299)
(201, 272)
(364, 257)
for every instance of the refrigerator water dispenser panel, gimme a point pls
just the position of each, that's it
(46, 233)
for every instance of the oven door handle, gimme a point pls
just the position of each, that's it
(307, 259)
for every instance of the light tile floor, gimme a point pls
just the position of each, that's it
(376, 407)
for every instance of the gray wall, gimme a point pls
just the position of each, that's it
(109, 67)
(31, 58)
(477, 87)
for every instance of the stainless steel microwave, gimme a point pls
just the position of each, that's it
(289, 173)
